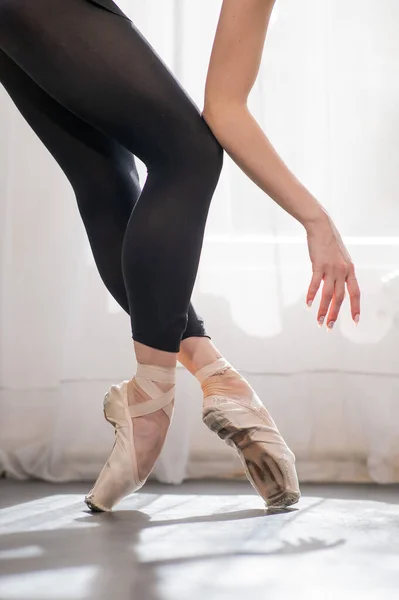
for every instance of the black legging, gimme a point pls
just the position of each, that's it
(95, 93)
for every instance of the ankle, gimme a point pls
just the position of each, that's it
(197, 353)
(156, 358)
(150, 379)
(215, 368)
(222, 380)
(155, 372)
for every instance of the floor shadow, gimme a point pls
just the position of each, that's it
(109, 546)
(238, 515)
(286, 548)
(109, 542)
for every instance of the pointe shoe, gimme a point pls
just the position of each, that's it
(120, 474)
(246, 425)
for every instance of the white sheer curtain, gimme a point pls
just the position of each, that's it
(328, 96)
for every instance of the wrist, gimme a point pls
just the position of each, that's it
(318, 221)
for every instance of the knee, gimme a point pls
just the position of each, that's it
(205, 157)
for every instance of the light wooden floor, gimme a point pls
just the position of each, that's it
(199, 541)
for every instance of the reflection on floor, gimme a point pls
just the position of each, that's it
(201, 540)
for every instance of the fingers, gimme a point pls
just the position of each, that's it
(334, 294)
(338, 298)
(354, 295)
(314, 286)
(327, 295)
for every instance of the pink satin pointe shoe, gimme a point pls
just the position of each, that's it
(234, 412)
(132, 407)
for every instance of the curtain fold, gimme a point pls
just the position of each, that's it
(328, 97)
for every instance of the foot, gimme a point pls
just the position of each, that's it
(140, 411)
(233, 411)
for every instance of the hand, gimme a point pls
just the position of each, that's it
(331, 264)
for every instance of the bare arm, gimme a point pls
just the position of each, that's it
(233, 69)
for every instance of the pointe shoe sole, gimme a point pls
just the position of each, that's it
(273, 473)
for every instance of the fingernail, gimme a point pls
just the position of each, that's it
(309, 304)
(321, 321)
(331, 325)
(357, 319)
